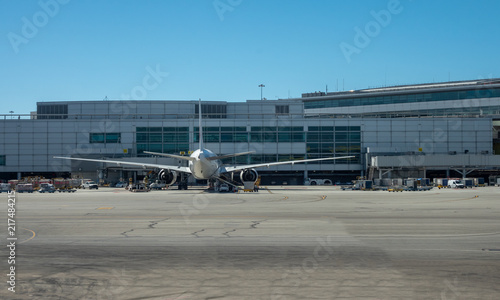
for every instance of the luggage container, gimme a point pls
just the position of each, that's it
(24, 188)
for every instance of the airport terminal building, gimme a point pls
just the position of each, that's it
(440, 129)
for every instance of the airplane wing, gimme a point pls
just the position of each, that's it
(290, 162)
(129, 163)
(171, 155)
(229, 155)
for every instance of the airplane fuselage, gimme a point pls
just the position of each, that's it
(201, 167)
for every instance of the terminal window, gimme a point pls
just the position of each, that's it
(105, 138)
(405, 98)
(172, 140)
(55, 111)
(223, 134)
(323, 141)
(212, 111)
(272, 134)
(282, 109)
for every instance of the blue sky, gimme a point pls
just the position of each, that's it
(54, 50)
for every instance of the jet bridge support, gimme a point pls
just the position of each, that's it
(381, 173)
(464, 172)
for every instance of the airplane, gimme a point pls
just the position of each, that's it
(203, 164)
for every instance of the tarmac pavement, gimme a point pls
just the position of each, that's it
(292, 242)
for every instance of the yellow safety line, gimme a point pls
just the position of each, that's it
(105, 208)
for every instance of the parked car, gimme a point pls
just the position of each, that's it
(121, 184)
(90, 185)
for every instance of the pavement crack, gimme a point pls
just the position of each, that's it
(196, 233)
(154, 223)
(256, 223)
(125, 232)
(150, 226)
(227, 232)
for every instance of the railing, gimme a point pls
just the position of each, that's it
(238, 116)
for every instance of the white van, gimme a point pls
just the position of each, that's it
(452, 183)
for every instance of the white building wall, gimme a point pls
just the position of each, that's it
(29, 145)
(433, 135)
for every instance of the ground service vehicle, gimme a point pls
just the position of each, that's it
(46, 188)
(90, 185)
(158, 185)
(311, 181)
(4, 187)
(453, 183)
(224, 187)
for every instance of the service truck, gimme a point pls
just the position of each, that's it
(46, 188)
(454, 183)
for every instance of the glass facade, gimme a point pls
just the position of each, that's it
(2, 160)
(105, 138)
(404, 98)
(321, 141)
(223, 134)
(212, 111)
(52, 111)
(258, 134)
(266, 134)
(328, 141)
(282, 109)
(173, 140)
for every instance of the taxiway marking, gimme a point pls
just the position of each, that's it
(32, 237)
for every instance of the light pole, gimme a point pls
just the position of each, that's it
(261, 86)
(11, 112)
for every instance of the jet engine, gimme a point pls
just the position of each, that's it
(249, 175)
(169, 177)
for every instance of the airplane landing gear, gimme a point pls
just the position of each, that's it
(183, 183)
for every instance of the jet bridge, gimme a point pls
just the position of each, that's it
(461, 163)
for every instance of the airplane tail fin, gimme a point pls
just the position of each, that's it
(199, 125)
